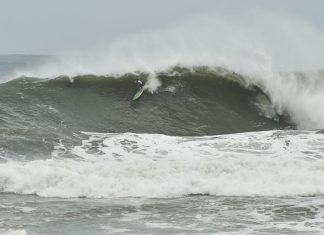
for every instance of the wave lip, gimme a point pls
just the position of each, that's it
(272, 163)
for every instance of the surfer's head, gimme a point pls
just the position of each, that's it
(139, 82)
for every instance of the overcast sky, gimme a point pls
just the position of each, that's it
(53, 26)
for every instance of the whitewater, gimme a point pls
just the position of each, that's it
(226, 139)
(149, 165)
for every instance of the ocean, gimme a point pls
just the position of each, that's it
(205, 150)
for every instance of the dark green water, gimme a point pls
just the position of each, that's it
(191, 103)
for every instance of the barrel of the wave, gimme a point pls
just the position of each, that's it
(140, 91)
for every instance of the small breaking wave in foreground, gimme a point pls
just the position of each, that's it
(271, 163)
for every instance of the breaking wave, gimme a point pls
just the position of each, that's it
(272, 163)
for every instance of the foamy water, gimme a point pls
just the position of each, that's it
(273, 163)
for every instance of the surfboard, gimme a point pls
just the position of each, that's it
(138, 94)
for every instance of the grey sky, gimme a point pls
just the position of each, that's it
(50, 27)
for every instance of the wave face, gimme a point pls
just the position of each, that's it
(199, 102)
(272, 163)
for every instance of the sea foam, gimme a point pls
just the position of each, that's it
(272, 163)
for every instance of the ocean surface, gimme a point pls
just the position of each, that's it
(205, 150)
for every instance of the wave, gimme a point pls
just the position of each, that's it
(266, 53)
(223, 80)
(188, 102)
(271, 163)
(296, 95)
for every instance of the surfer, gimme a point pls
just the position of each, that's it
(140, 91)
(140, 83)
